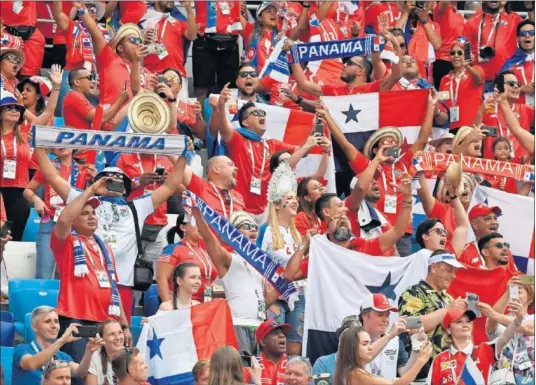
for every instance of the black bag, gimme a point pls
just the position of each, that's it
(150, 232)
(143, 270)
(217, 42)
(24, 32)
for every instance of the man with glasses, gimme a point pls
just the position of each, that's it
(130, 368)
(429, 300)
(494, 250)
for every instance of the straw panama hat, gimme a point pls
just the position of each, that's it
(441, 191)
(148, 113)
(101, 8)
(462, 133)
(125, 30)
(437, 142)
(379, 134)
(453, 175)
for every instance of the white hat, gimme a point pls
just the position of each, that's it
(437, 142)
(266, 4)
(449, 259)
(148, 113)
(283, 180)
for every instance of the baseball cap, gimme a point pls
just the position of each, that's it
(482, 209)
(378, 302)
(94, 202)
(455, 313)
(449, 259)
(267, 326)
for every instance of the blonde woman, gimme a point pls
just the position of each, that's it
(280, 238)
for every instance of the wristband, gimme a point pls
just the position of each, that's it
(423, 22)
(82, 11)
(299, 100)
(172, 100)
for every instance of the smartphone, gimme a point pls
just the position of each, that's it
(5, 229)
(500, 84)
(160, 170)
(322, 379)
(416, 343)
(115, 186)
(319, 126)
(472, 301)
(526, 279)
(467, 51)
(162, 79)
(87, 331)
(152, 49)
(246, 360)
(413, 323)
(443, 95)
(394, 152)
(492, 131)
(513, 292)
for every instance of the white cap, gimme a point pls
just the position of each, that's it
(449, 259)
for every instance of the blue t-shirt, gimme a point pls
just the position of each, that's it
(326, 364)
(21, 376)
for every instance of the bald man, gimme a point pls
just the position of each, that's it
(219, 192)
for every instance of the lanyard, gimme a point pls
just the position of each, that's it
(37, 351)
(222, 202)
(14, 148)
(264, 155)
(99, 251)
(141, 164)
(454, 94)
(386, 191)
(205, 261)
(493, 28)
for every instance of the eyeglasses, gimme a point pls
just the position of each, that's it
(439, 232)
(12, 58)
(248, 226)
(526, 33)
(502, 245)
(513, 83)
(408, 61)
(456, 53)
(258, 112)
(53, 365)
(88, 77)
(134, 40)
(245, 74)
(11, 108)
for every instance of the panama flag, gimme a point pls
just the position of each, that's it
(293, 127)
(516, 224)
(340, 279)
(360, 115)
(172, 342)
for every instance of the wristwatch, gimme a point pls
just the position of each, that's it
(125, 327)
(172, 100)
(423, 22)
(299, 99)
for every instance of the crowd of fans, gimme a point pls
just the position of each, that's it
(107, 53)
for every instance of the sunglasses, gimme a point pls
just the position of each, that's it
(245, 74)
(402, 45)
(439, 232)
(248, 226)
(456, 53)
(502, 245)
(134, 40)
(12, 58)
(258, 112)
(526, 33)
(513, 83)
(352, 63)
(408, 61)
(88, 77)
(53, 365)
(11, 108)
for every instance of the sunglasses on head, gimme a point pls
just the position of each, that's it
(12, 58)
(513, 83)
(526, 33)
(248, 226)
(258, 112)
(134, 40)
(245, 74)
(11, 108)
(456, 53)
(502, 245)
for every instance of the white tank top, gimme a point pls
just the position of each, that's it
(244, 289)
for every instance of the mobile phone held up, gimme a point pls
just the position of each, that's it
(413, 323)
(393, 152)
(246, 360)
(491, 131)
(160, 170)
(467, 51)
(86, 331)
(319, 126)
(115, 186)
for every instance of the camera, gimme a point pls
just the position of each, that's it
(420, 4)
(487, 53)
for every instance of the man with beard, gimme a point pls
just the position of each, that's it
(494, 250)
(492, 37)
(356, 73)
(330, 209)
(272, 339)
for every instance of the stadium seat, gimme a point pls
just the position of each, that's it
(151, 301)
(32, 225)
(19, 258)
(59, 122)
(6, 316)
(7, 333)
(26, 295)
(29, 334)
(6, 355)
(135, 328)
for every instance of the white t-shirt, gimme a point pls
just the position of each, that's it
(116, 227)
(95, 367)
(385, 363)
(244, 291)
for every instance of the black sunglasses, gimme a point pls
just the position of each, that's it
(12, 58)
(352, 63)
(456, 53)
(513, 83)
(502, 245)
(245, 74)
(12, 108)
(89, 77)
(439, 232)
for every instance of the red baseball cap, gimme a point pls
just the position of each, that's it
(378, 302)
(455, 313)
(482, 209)
(267, 326)
(94, 202)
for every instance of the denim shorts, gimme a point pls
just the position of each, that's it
(281, 313)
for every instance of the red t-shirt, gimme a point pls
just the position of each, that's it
(502, 183)
(471, 257)
(215, 197)
(132, 11)
(3, 217)
(131, 165)
(238, 148)
(465, 94)
(113, 73)
(524, 74)
(59, 36)
(75, 109)
(451, 360)
(81, 298)
(273, 373)
(328, 90)
(303, 223)
(13, 16)
(503, 39)
(172, 38)
(22, 159)
(178, 253)
(373, 12)
(525, 116)
(451, 27)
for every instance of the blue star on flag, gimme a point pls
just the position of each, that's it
(154, 346)
(351, 114)
(386, 288)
